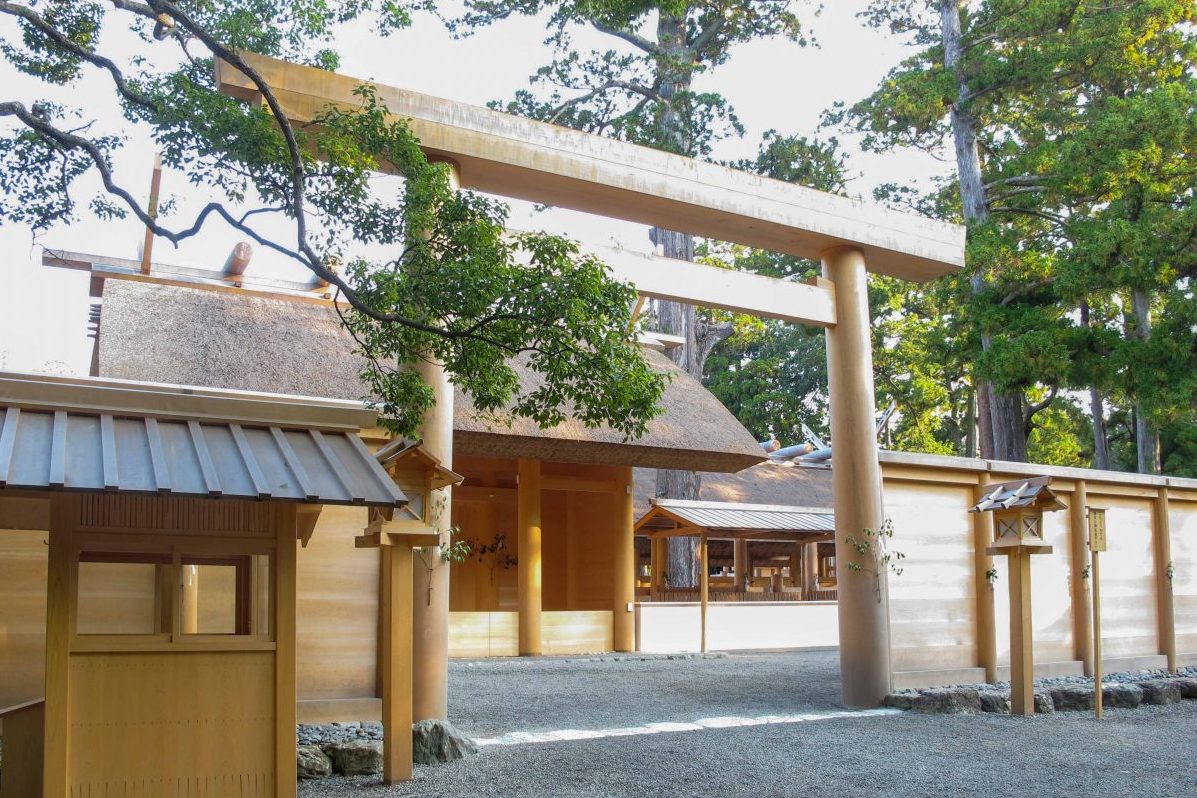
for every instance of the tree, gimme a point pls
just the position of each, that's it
(643, 90)
(1064, 119)
(451, 285)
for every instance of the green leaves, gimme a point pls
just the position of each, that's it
(525, 325)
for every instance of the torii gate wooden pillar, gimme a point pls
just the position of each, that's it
(501, 154)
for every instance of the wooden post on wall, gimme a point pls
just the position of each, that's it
(740, 564)
(704, 589)
(1161, 527)
(1082, 608)
(529, 557)
(285, 599)
(810, 570)
(1022, 655)
(190, 599)
(796, 565)
(572, 561)
(430, 616)
(624, 564)
(395, 605)
(983, 588)
(865, 673)
(60, 610)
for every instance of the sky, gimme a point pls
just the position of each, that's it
(772, 85)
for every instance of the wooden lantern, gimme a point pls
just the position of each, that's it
(1018, 509)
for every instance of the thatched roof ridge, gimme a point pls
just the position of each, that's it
(190, 336)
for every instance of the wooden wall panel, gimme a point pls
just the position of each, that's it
(577, 632)
(1183, 516)
(127, 738)
(337, 609)
(1128, 605)
(483, 634)
(932, 607)
(23, 562)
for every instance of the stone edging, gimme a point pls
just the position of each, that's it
(1048, 698)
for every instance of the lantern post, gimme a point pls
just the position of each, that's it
(1018, 509)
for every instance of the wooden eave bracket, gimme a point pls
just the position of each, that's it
(415, 534)
(305, 522)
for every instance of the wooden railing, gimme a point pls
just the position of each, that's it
(684, 595)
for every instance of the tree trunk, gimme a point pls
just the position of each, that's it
(1002, 432)
(675, 318)
(1147, 439)
(1097, 412)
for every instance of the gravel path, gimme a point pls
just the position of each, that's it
(1145, 752)
(489, 697)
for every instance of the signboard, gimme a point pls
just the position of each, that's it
(1097, 529)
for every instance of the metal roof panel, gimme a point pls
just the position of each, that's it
(130, 453)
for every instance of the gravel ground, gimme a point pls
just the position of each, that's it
(489, 697)
(1143, 752)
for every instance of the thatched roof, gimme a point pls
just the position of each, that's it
(189, 336)
(766, 483)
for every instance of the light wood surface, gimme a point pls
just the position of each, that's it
(1082, 613)
(1161, 525)
(530, 566)
(396, 663)
(24, 740)
(508, 155)
(983, 588)
(624, 563)
(863, 594)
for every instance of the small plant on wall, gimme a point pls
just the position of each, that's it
(877, 539)
(494, 555)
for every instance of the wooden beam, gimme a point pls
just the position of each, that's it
(286, 597)
(528, 552)
(1165, 610)
(395, 649)
(624, 564)
(710, 286)
(1082, 610)
(147, 247)
(507, 155)
(704, 589)
(983, 594)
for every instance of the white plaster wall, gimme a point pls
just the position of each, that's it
(738, 626)
(932, 603)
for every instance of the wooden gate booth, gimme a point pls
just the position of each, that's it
(173, 517)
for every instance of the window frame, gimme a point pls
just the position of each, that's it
(168, 552)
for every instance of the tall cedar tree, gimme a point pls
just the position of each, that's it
(450, 286)
(1071, 124)
(643, 90)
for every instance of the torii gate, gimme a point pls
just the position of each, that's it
(497, 153)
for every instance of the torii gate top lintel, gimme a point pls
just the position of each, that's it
(510, 156)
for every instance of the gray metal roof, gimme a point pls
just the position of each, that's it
(127, 452)
(729, 516)
(1019, 493)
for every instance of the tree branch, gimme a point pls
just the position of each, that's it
(634, 39)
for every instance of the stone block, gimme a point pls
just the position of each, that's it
(947, 701)
(435, 742)
(1121, 696)
(1188, 687)
(312, 763)
(355, 757)
(1160, 691)
(995, 701)
(1072, 698)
